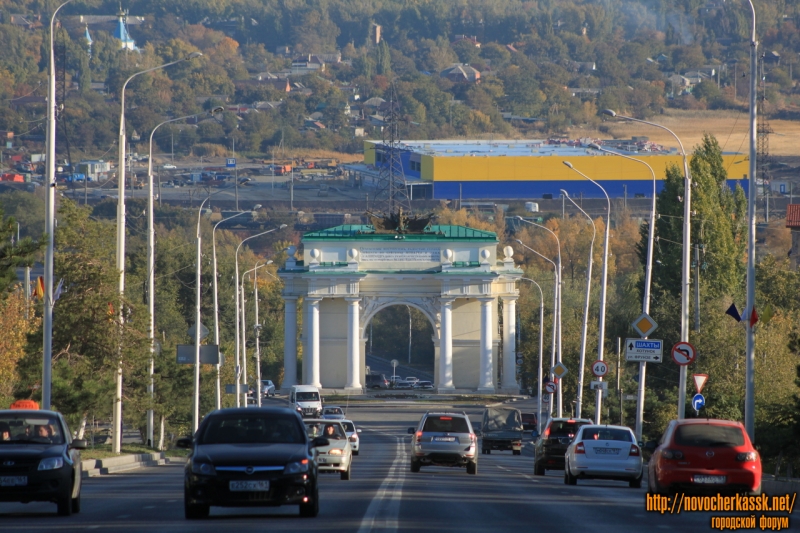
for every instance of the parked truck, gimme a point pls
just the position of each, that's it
(501, 430)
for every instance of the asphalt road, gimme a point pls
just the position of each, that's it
(383, 495)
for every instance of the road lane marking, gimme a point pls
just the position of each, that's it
(384, 509)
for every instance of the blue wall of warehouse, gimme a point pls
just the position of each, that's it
(507, 190)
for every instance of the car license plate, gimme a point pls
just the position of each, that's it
(13, 481)
(709, 479)
(606, 451)
(444, 439)
(243, 486)
(321, 460)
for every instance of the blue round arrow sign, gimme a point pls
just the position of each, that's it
(698, 401)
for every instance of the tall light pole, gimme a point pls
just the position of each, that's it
(151, 269)
(558, 309)
(601, 324)
(541, 348)
(256, 325)
(648, 276)
(121, 236)
(687, 243)
(236, 297)
(749, 394)
(215, 281)
(556, 306)
(49, 223)
(585, 327)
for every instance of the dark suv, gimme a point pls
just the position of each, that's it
(377, 381)
(551, 447)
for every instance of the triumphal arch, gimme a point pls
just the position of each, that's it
(452, 274)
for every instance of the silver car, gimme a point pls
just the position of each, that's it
(444, 439)
(338, 455)
(604, 452)
(352, 435)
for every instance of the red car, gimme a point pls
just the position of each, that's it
(704, 455)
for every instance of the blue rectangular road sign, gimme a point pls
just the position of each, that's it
(230, 162)
(648, 350)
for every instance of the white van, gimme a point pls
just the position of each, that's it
(306, 399)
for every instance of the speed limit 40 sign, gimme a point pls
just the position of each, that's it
(599, 368)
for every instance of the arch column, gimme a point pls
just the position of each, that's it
(353, 383)
(446, 346)
(486, 373)
(289, 342)
(510, 345)
(313, 340)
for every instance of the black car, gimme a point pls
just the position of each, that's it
(377, 381)
(253, 457)
(551, 447)
(39, 460)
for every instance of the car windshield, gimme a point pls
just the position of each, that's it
(707, 435)
(446, 424)
(307, 396)
(606, 434)
(333, 411)
(251, 429)
(565, 428)
(349, 427)
(30, 428)
(329, 431)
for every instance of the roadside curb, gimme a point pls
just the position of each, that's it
(122, 463)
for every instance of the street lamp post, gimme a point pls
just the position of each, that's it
(648, 275)
(151, 268)
(556, 306)
(257, 326)
(215, 281)
(558, 309)
(749, 394)
(121, 236)
(236, 298)
(601, 328)
(541, 349)
(585, 326)
(687, 243)
(49, 223)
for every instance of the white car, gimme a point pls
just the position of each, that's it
(168, 167)
(267, 388)
(338, 455)
(333, 412)
(352, 434)
(412, 379)
(604, 452)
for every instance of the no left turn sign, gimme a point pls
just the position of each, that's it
(550, 387)
(683, 353)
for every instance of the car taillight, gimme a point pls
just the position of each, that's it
(747, 456)
(472, 437)
(419, 436)
(634, 451)
(672, 454)
(547, 432)
(579, 448)
(354, 438)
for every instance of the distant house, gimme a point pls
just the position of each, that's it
(583, 66)
(29, 22)
(510, 48)
(470, 39)
(679, 81)
(461, 74)
(283, 51)
(662, 59)
(27, 101)
(307, 64)
(280, 84)
(375, 101)
(584, 93)
(314, 124)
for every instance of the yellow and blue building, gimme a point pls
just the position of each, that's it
(480, 169)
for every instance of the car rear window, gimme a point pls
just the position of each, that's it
(528, 418)
(707, 435)
(564, 428)
(244, 429)
(446, 424)
(606, 434)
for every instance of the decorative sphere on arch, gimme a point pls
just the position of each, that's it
(291, 250)
(448, 254)
(509, 252)
(315, 253)
(352, 253)
(485, 254)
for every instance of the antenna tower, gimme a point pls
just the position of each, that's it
(392, 193)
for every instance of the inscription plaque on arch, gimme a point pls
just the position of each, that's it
(402, 255)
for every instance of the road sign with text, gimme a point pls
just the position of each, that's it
(230, 162)
(648, 350)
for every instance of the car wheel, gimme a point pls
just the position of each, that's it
(538, 470)
(345, 476)
(472, 467)
(569, 479)
(636, 483)
(415, 466)
(311, 509)
(64, 504)
(194, 512)
(517, 452)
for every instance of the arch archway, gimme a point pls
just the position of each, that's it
(405, 332)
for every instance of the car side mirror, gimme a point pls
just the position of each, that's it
(78, 444)
(320, 441)
(184, 442)
(650, 445)
(358, 431)
(411, 431)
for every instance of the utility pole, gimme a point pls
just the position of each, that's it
(697, 287)
(236, 174)
(619, 375)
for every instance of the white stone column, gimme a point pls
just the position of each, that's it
(313, 341)
(446, 347)
(486, 378)
(510, 384)
(306, 343)
(289, 342)
(353, 348)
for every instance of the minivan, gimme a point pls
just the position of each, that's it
(306, 400)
